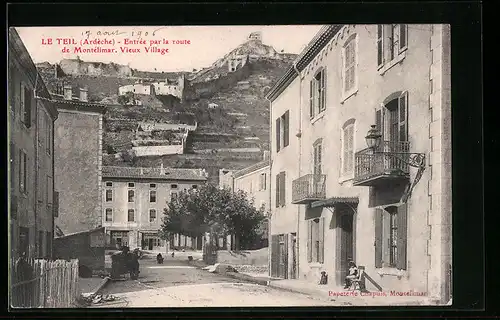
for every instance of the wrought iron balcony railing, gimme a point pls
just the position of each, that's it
(389, 162)
(310, 187)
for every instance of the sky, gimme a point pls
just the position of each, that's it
(207, 43)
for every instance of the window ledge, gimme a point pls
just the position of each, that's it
(317, 117)
(383, 69)
(391, 272)
(349, 94)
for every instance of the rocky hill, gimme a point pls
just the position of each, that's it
(226, 100)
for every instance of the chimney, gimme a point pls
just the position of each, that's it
(142, 171)
(83, 94)
(162, 170)
(68, 94)
(266, 155)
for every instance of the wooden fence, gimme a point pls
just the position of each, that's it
(40, 283)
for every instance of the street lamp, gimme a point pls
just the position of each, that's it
(373, 138)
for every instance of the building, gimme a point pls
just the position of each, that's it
(31, 138)
(78, 160)
(361, 159)
(133, 202)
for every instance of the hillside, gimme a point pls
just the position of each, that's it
(226, 100)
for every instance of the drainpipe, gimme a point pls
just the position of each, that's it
(300, 161)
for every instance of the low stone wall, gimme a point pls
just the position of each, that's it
(246, 257)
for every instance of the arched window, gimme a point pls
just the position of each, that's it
(348, 147)
(392, 122)
(349, 64)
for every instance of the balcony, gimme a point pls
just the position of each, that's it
(308, 188)
(387, 165)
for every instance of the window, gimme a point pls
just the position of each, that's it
(282, 131)
(280, 189)
(152, 215)
(194, 186)
(392, 121)
(152, 196)
(173, 186)
(317, 157)
(131, 195)
(315, 241)
(131, 185)
(173, 195)
(109, 214)
(109, 184)
(26, 105)
(348, 148)
(391, 237)
(349, 65)
(392, 40)
(317, 93)
(50, 191)
(23, 164)
(262, 181)
(109, 195)
(131, 215)
(152, 185)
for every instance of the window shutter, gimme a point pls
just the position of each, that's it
(350, 146)
(285, 256)
(282, 188)
(278, 185)
(380, 45)
(378, 238)
(278, 137)
(27, 107)
(309, 240)
(402, 236)
(321, 238)
(323, 90)
(345, 146)
(274, 255)
(311, 97)
(286, 138)
(403, 37)
(319, 158)
(403, 116)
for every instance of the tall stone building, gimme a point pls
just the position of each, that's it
(31, 116)
(361, 159)
(78, 162)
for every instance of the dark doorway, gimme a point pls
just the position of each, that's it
(346, 248)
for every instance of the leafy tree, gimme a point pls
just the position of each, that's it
(213, 210)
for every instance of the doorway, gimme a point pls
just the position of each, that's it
(283, 257)
(294, 256)
(345, 237)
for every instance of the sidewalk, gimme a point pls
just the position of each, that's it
(90, 286)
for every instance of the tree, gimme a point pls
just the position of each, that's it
(213, 210)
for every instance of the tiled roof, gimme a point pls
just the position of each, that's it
(251, 168)
(153, 173)
(331, 202)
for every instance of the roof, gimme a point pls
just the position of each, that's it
(17, 50)
(251, 168)
(78, 105)
(153, 173)
(320, 40)
(81, 232)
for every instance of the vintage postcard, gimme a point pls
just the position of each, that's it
(228, 166)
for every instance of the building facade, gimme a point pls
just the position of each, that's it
(78, 159)
(31, 115)
(134, 200)
(361, 155)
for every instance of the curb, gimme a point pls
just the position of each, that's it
(244, 277)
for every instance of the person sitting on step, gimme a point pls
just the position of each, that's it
(353, 274)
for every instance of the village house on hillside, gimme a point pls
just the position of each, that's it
(78, 160)
(31, 113)
(382, 196)
(133, 202)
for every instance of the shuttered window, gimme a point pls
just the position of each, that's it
(278, 186)
(317, 93)
(131, 196)
(403, 37)
(380, 45)
(131, 215)
(403, 116)
(392, 40)
(152, 215)
(109, 214)
(278, 135)
(26, 105)
(282, 189)
(23, 166)
(348, 149)
(311, 98)
(317, 157)
(350, 65)
(315, 240)
(402, 236)
(378, 237)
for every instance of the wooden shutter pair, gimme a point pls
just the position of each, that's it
(317, 158)
(320, 236)
(380, 115)
(402, 236)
